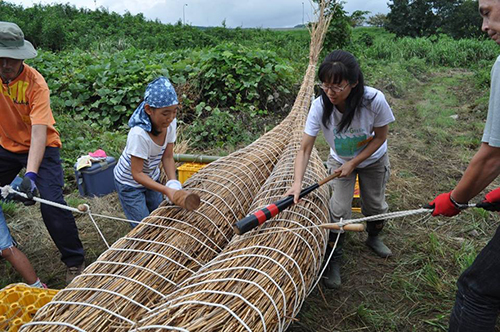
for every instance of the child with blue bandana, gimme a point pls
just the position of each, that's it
(149, 143)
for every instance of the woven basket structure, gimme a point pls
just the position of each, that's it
(161, 259)
(260, 280)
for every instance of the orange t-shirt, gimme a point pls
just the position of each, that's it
(23, 103)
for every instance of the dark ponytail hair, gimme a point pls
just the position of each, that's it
(338, 66)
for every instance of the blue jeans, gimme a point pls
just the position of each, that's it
(477, 303)
(60, 223)
(5, 238)
(137, 203)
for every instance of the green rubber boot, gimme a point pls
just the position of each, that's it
(332, 274)
(374, 242)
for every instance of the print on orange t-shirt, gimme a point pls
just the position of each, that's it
(25, 102)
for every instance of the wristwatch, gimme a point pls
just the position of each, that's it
(460, 206)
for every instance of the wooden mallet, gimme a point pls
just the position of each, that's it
(183, 198)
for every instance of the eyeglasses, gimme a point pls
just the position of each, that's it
(336, 89)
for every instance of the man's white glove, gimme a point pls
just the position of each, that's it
(173, 184)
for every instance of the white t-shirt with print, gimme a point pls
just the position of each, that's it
(140, 145)
(347, 144)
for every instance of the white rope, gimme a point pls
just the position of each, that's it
(383, 216)
(163, 244)
(152, 253)
(99, 290)
(235, 268)
(230, 176)
(149, 327)
(181, 231)
(232, 182)
(326, 264)
(215, 305)
(222, 200)
(252, 153)
(265, 232)
(51, 323)
(134, 266)
(92, 306)
(205, 203)
(212, 292)
(106, 275)
(8, 189)
(246, 172)
(270, 249)
(215, 262)
(97, 227)
(224, 280)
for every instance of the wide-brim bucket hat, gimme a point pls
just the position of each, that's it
(12, 43)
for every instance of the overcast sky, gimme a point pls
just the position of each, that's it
(242, 13)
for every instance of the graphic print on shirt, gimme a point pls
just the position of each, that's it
(17, 92)
(348, 144)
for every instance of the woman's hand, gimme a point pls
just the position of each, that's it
(294, 191)
(346, 169)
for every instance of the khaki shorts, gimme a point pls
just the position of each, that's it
(372, 182)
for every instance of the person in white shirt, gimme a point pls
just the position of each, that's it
(149, 143)
(355, 121)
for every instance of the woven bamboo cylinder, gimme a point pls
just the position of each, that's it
(128, 279)
(260, 280)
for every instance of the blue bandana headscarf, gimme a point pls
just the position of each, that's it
(159, 93)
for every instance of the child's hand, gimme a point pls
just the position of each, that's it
(294, 191)
(174, 184)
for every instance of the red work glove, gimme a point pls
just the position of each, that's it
(443, 206)
(492, 201)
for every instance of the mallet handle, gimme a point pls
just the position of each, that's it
(348, 227)
(258, 218)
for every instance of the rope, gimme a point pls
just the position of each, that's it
(383, 216)
(6, 190)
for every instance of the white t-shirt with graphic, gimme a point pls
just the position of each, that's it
(347, 144)
(140, 145)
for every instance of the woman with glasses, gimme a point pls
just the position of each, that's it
(355, 120)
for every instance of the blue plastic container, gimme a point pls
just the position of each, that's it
(98, 179)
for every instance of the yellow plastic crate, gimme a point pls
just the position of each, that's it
(186, 170)
(356, 203)
(19, 303)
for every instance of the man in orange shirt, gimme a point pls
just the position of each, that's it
(28, 139)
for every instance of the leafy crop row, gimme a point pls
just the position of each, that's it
(216, 85)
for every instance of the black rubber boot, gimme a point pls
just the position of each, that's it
(332, 274)
(374, 242)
